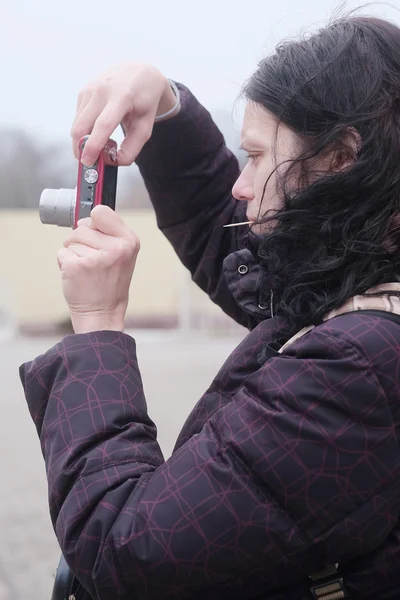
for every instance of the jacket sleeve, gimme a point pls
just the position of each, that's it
(189, 173)
(299, 470)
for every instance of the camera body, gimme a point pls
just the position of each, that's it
(96, 184)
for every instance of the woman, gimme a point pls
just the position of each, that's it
(289, 463)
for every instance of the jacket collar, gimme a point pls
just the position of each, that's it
(243, 276)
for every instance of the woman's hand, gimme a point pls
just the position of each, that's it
(97, 264)
(132, 94)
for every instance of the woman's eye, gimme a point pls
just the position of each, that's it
(252, 157)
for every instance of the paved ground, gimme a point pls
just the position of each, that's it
(28, 550)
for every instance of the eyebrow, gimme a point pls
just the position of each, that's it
(246, 145)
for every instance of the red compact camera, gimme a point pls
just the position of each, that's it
(96, 184)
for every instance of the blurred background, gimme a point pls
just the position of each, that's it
(49, 52)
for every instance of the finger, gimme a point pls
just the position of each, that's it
(138, 133)
(85, 222)
(107, 221)
(83, 99)
(86, 120)
(65, 256)
(89, 237)
(81, 250)
(105, 124)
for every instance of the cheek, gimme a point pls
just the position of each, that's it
(259, 182)
(263, 174)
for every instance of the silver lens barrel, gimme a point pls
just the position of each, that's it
(57, 207)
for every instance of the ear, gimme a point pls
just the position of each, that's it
(346, 151)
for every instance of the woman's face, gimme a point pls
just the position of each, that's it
(268, 146)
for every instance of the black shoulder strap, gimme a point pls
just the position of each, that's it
(384, 314)
(66, 585)
(327, 584)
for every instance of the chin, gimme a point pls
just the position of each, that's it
(259, 228)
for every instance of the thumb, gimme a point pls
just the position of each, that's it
(106, 220)
(137, 135)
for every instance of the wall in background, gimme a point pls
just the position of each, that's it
(30, 286)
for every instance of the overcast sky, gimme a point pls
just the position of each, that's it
(51, 48)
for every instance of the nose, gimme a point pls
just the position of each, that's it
(243, 188)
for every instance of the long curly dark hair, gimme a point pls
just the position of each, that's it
(340, 234)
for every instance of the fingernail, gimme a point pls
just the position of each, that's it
(113, 153)
(86, 162)
(86, 221)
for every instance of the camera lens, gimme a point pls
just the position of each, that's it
(57, 207)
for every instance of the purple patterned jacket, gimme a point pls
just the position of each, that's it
(283, 466)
